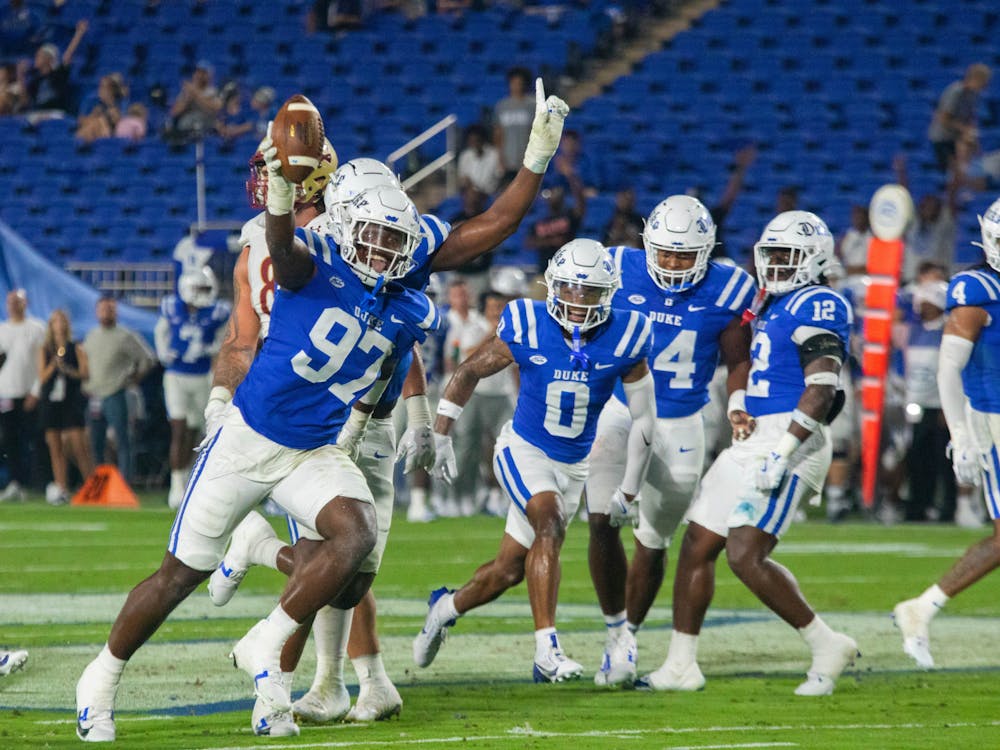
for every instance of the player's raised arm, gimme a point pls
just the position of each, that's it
(491, 357)
(485, 232)
(293, 265)
(961, 331)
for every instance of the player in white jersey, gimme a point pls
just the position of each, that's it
(968, 375)
(188, 334)
(571, 351)
(284, 437)
(749, 495)
(695, 306)
(442, 250)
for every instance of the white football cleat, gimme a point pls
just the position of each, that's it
(12, 661)
(95, 706)
(321, 706)
(377, 700)
(554, 666)
(225, 579)
(280, 724)
(13, 492)
(827, 665)
(269, 682)
(619, 663)
(435, 630)
(916, 632)
(686, 678)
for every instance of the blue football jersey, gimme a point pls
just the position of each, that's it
(193, 334)
(558, 404)
(324, 350)
(686, 327)
(776, 380)
(981, 376)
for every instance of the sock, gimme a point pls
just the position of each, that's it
(331, 629)
(448, 611)
(266, 552)
(110, 664)
(683, 648)
(834, 493)
(178, 478)
(418, 500)
(816, 633)
(932, 601)
(633, 628)
(369, 668)
(545, 638)
(614, 624)
(275, 629)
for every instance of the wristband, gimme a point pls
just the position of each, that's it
(787, 445)
(823, 378)
(418, 410)
(448, 409)
(737, 401)
(805, 420)
(220, 393)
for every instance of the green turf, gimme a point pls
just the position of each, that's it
(66, 571)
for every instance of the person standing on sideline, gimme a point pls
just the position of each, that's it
(968, 371)
(118, 358)
(62, 368)
(20, 339)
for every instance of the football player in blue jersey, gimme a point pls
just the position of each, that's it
(571, 350)
(439, 249)
(338, 321)
(968, 375)
(695, 306)
(188, 334)
(749, 495)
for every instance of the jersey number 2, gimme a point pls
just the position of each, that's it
(760, 350)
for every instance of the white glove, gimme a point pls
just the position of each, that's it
(546, 129)
(417, 447)
(772, 470)
(353, 433)
(216, 408)
(280, 192)
(622, 512)
(445, 466)
(965, 463)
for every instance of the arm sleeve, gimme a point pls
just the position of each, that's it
(641, 400)
(161, 337)
(955, 353)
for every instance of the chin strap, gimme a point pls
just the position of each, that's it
(577, 356)
(371, 299)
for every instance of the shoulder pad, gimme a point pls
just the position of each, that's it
(736, 288)
(978, 288)
(636, 340)
(819, 306)
(519, 324)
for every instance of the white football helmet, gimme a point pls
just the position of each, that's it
(198, 287)
(307, 193)
(582, 279)
(510, 281)
(679, 224)
(989, 226)
(380, 234)
(351, 178)
(795, 249)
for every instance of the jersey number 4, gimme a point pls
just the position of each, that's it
(351, 340)
(678, 358)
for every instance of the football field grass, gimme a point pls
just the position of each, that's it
(65, 572)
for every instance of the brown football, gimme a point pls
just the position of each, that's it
(298, 136)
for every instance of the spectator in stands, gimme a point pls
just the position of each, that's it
(100, 113)
(479, 162)
(625, 226)
(512, 121)
(262, 103)
(475, 273)
(62, 368)
(933, 234)
(118, 358)
(335, 15)
(13, 97)
(47, 82)
(852, 247)
(742, 161)
(234, 119)
(953, 126)
(20, 339)
(197, 106)
(134, 125)
(21, 30)
(561, 223)
(570, 159)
